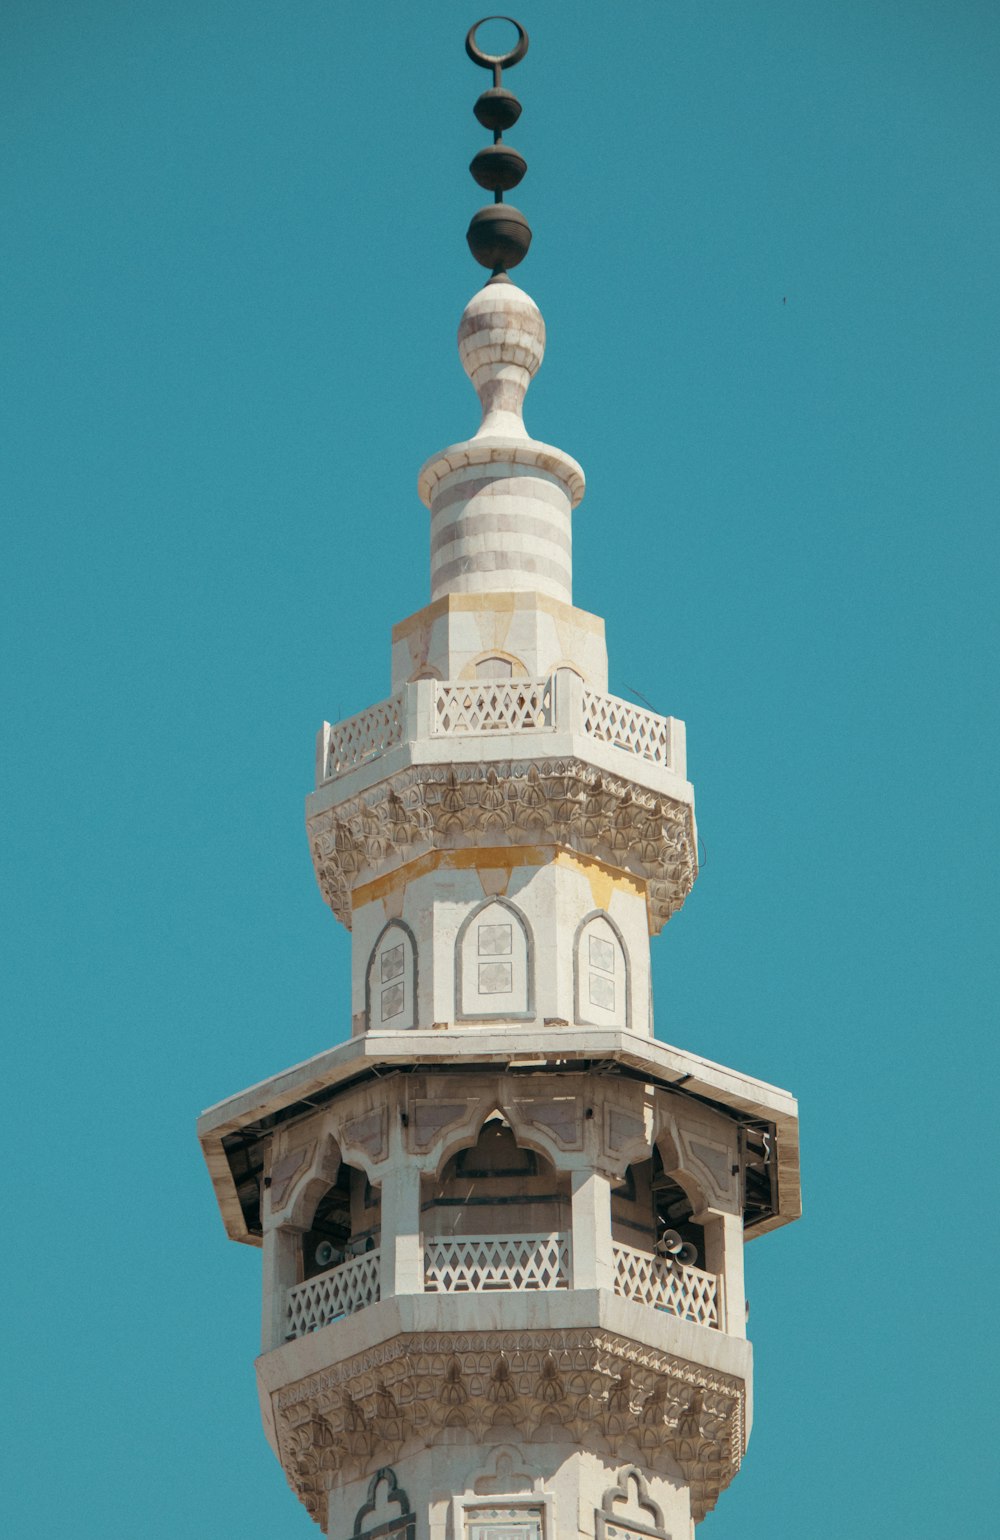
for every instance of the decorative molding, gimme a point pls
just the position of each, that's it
(593, 1388)
(610, 1526)
(553, 801)
(404, 1527)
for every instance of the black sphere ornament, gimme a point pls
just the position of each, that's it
(497, 167)
(499, 236)
(497, 109)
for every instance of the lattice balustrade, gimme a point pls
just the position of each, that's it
(493, 705)
(667, 1285)
(360, 738)
(627, 727)
(338, 1292)
(474, 1264)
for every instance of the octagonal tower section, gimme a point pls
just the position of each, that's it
(502, 1225)
(502, 835)
(495, 1273)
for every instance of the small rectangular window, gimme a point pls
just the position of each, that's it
(392, 1001)
(392, 963)
(503, 1524)
(495, 978)
(602, 954)
(494, 941)
(602, 991)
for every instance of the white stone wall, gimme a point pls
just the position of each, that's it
(568, 1490)
(455, 637)
(585, 958)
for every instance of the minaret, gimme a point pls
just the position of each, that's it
(502, 1225)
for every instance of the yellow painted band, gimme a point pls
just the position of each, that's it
(499, 602)
(603, 879)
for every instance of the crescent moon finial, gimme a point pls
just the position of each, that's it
(496, 61)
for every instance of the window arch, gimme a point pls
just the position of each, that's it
(391, 983)
(601, 972)
(493, 963)
(499, 665)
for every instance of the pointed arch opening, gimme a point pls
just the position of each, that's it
(494, 958)
(497, 1216)
(651, 1202)
(601, 973)
(346, 1223)
(391, 980)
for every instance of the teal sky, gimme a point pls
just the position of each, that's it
(766, 247)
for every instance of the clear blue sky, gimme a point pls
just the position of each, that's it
(766, 247)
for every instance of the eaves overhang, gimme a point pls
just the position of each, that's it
(227, 1130)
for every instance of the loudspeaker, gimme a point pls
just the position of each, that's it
(325, 1254)
(688, 1254)
(670, 1241)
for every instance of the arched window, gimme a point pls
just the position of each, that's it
(494, 667)
(602, 978)
(392, 979)
(493, 963)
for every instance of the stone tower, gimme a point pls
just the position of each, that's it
(502, 1225)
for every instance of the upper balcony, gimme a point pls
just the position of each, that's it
(448, 765)
(453, 720)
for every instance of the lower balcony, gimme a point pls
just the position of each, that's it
(478, 1264)
(688, 1292)
(475, 1264)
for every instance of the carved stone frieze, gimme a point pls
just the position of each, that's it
(588, 1386)
(566, 802)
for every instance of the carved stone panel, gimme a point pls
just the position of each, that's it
(284, 1172)
(368, 1133)
(429, 1118)
(559, 1117)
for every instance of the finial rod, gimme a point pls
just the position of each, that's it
(498, 237)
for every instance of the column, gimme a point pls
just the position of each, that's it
(402, 1248)
(724, 1256)
(592, 1262)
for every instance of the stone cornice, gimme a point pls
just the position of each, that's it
(561, 801)
(587, 1386)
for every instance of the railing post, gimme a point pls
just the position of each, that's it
(592, 1263)
(677, 758)
(322, 751)
(567, 701)
(402, 1252)
(418, 709)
